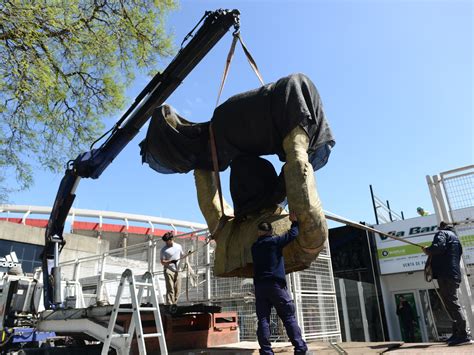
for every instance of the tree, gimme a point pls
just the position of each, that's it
(64, 66)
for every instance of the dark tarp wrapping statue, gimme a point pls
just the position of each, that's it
(284, 118)
(252, 123)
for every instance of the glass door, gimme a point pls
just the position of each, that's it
(428, 318)
(408, 319)
(437, 315)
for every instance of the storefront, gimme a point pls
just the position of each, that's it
(402, 278)
(359, 299)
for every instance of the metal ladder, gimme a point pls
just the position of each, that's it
(136, 293)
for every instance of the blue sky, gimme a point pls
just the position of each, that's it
(395, 77)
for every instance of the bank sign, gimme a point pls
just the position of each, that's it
(395, 256)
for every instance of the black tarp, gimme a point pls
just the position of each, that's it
(254, 185)
(252, 123)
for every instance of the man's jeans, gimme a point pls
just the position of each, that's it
(272, 293)
(448, 290)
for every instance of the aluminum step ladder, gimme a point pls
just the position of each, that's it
(136, 293)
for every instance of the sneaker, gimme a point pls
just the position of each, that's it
(460, 341)
(450, 339)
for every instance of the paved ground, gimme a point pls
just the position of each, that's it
(356, 348)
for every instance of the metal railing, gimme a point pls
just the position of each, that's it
(312, 289)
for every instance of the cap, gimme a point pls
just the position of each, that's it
(264, 227)
(444, 225)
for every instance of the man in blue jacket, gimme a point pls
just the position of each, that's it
(445, 252)
(270, 286)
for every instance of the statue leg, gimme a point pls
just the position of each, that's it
(208, 198)
(303, 197)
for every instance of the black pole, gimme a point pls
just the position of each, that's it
(373, 204)
(403, 217)
(370, 237)
(389, 211)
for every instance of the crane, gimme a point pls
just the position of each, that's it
(91, 164)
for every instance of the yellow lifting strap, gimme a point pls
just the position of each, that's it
(215, 161)
(230, 55)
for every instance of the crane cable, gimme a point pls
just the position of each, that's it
(215, 161)
(329, 215)
(336, 218)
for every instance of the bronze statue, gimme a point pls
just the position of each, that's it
(284, 118)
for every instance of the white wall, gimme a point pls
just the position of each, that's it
(77, 246)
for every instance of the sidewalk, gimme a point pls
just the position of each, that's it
(356, 348)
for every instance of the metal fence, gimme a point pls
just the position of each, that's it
(452, 193)
(312, 289)
(459, 191)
